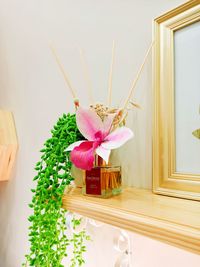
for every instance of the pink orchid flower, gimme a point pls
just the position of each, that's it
(99, 138)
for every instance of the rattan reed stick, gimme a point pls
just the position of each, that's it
(111, 76)
(137, 76)
(67, 81)
(86, 76)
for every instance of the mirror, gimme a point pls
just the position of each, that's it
(176, 146)
(187, 98)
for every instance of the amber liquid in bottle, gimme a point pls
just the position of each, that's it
(102, 180)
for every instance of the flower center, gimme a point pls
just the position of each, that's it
(99, 137)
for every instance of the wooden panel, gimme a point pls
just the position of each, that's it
(171, 220)
(8, 144)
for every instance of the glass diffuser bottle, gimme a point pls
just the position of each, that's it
(103, 180)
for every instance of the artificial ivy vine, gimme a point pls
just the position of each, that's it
(48, 240)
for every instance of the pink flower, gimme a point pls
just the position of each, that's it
(100, 140)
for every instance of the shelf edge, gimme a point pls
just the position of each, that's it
(174, 234)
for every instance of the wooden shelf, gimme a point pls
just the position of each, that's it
(8, 144)
(170, 220)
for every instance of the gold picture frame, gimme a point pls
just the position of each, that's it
(166, 179)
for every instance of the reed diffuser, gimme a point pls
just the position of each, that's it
(103, 129)
(103, 132)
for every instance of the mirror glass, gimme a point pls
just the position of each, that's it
(187, 98)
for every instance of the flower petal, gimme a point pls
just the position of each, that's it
(117, 138)
(82, 156)
(88, 123)
(103, 153)
(72, 146)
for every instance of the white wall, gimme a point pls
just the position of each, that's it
(32, 87)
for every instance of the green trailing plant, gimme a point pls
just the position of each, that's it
(78, 245)
(48, 240)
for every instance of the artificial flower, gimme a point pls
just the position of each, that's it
(100, 139)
